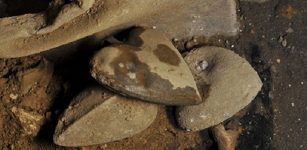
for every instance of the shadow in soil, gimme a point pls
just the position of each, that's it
(74, 73)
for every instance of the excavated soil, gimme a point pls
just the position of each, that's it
(272, 38)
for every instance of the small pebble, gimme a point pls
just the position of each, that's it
(194, 40)
(13, 96)
(290, 30)
(292, 104)
(284, 43)
(278, 60)
(31, 122)
(121, 65)
(175, 40)
(202, 65)
(280, 39)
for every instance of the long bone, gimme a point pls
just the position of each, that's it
(55, 16)
(33, 33)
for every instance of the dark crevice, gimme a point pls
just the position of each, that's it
(20, 7)
(254, 121)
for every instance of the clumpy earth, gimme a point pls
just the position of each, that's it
(272, 38)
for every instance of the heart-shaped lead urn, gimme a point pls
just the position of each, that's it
(98, 116)
(148, 67)
(233, 85)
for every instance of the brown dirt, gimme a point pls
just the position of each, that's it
(276, 119)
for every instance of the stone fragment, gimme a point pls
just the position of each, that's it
(38, 86)
(33, 33)
(151, 69)
(40, 75)
(31, 122)
(13, 96)
(231, 83)
(97, 116)
(226, 138)
(199, 18)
